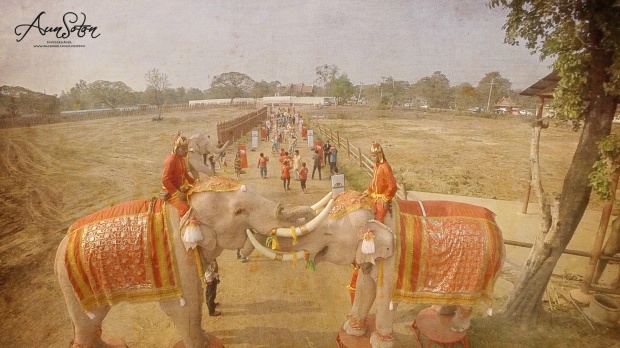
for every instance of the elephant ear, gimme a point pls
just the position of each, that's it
(376, 241)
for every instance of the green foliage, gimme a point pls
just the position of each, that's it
(231, 85)
(609, 149)
(341, 88)
(435, 89)
(107, 93)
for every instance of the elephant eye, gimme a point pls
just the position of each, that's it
(239, 211)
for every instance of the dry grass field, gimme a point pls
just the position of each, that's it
(54, 174)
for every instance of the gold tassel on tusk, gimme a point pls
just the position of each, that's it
(294, 235)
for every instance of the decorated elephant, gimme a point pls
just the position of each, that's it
(427, 252)
(200, 145)
(140, 251)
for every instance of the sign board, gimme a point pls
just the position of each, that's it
(337, 184)
(310, 138)
(254, 140)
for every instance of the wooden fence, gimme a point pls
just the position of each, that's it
(236, 128)
(28, 121)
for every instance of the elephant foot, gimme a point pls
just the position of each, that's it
(354, 326)
(377, 340)
(461, 320)
(102, 343)
(444, 310)
(213, 342)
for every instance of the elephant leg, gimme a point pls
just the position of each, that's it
(383, 336)
(365, 292)
(187, 320)
(462, 319)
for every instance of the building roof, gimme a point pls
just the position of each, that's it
(506, 102)
(544, 87)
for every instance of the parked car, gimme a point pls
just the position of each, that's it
(525, 113)
(476, 109)
(425, 106)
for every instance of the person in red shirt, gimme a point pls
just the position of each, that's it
(176, 180)
(286, 175)
(382, 188)
(303, 176)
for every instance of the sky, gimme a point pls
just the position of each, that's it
(191, 41)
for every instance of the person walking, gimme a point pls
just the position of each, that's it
(286, 175)
(303, 176)
(296, 164)
(333, 158)
(316, 158)
(262, 165)
(212, 278)
(238, 166)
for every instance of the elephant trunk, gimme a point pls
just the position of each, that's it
(309, 226)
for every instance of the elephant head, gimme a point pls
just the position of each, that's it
(224, 209)
(199, 145)
(336, 238)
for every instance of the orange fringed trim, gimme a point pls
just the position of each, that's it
(385, 338)
(355, 323)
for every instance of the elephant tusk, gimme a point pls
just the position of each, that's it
(271, 254)
(320, 204)
(308, 227)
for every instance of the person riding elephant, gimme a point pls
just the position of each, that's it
(176, 180)
(138, 251)
(426, 252)
(382, 187)
(200, 146)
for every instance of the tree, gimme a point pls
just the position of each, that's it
(231, 85)
(584, 37)
(264, 88)
(157, 84)
(110, 94)
(326, 74)
(392, 91)
(466, 96)
(435, 89)
(492, 88)
(342, 88)
(77, 98)
(195, 94)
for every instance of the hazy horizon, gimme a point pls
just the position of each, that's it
(193, 41)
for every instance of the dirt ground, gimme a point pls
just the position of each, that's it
(54, 174)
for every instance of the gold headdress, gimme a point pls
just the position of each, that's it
(179, 141)
(376, 149)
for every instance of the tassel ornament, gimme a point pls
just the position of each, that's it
(192, 233)
(272, 241)
(309, 261)
(368, 243)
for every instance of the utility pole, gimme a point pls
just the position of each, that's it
(490, 91)
(359, 97)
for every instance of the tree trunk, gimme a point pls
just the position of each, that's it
(561, 216)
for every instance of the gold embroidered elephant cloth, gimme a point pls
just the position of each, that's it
(122, 253)
(447, 253)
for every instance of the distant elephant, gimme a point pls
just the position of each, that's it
(137, 251)
(200, 145)
(427, 252)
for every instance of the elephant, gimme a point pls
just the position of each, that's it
(199, 146)
(426, 252)
(142, 251)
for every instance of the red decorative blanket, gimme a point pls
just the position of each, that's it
(451, 256)
(122, 253)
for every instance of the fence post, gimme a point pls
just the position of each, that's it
(359, 152)
(348, 148)
(338, 138)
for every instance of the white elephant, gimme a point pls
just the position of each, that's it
(200, 145)
(427, 252)
(137, 251)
